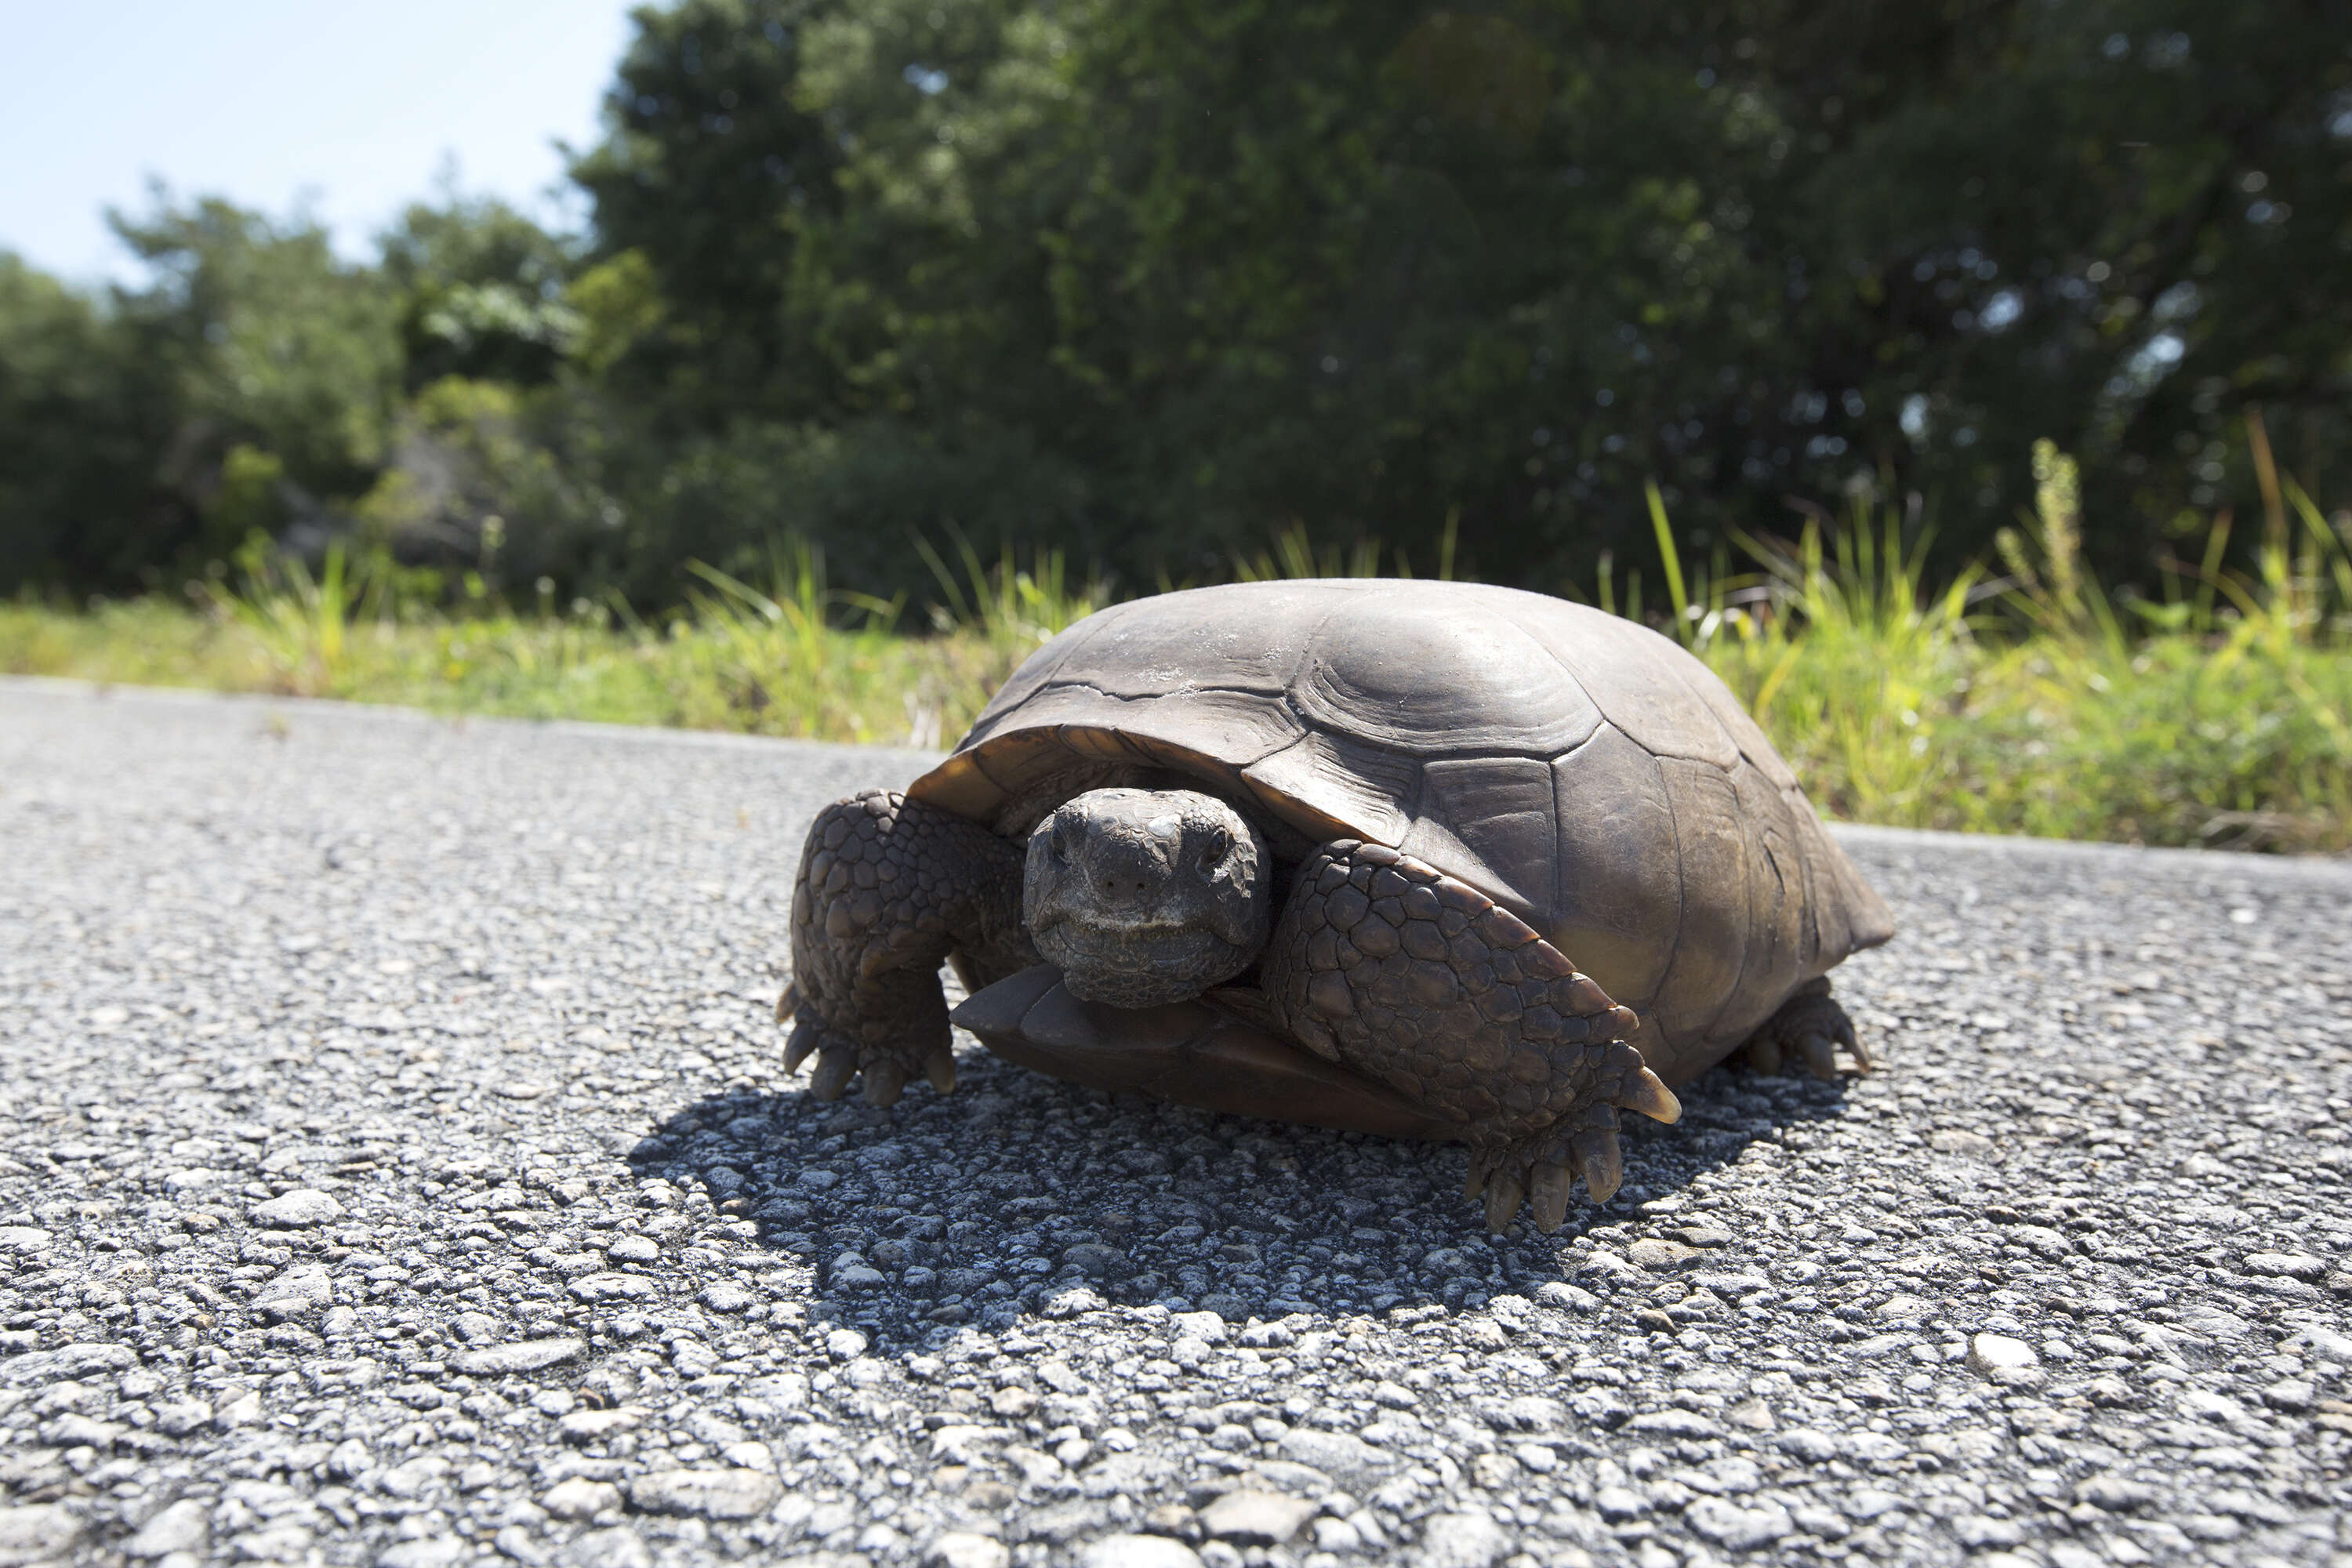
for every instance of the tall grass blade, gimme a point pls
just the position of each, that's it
(1673, 558)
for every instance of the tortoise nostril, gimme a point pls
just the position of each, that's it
(1125, 868)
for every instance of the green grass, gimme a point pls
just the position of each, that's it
(2031, 703)
(1916, 711)
(780, 660)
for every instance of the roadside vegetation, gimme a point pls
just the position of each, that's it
(1092, 296)
(1140, 281)
(2019, 697)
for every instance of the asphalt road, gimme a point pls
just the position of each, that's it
(396, 1168)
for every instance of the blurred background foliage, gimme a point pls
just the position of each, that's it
(1147, 283)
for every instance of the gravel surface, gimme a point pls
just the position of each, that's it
(398, 1169)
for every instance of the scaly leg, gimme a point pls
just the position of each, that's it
(1391, 967)
(1810, 1027)
(889, 888)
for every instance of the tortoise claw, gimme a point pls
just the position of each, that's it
(1595, 1151)
(1852, 1041)
(1652, 1098)
(940, 1069)
(788, 1001)
(835, 1066)
(1819, 1056)
(1504, 1194)
(802, 1046)
(1547, 1196)
(884, 1082)
(1542, 1178)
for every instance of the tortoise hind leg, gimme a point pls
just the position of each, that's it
(1810, 1027)
(889, 888)
(1388, 966)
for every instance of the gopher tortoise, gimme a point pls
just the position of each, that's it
(1427, 860)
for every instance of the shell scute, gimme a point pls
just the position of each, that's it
(1491, 822)
(1332, 784)
(1777, 895)
(1637, 680)
(1710, 947)
(1620, 874)
(1136, 651)
(1368, 674)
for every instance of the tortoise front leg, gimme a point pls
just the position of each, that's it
(1387, 965)
(890, 889)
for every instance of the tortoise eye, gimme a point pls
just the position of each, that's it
(1219, 845)
(1059, 846)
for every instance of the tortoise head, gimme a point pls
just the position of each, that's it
(1143, 897)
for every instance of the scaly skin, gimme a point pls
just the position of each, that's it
(1808, 1026)
(1388, 966)
(1142, 897)
(888, 889)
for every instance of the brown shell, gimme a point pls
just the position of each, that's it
(1578, 769)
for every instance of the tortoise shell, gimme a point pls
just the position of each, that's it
(1580, 769)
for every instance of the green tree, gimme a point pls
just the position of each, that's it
(270, 341)
(83, 422)
(2133, 219)
(710, 171)
(481, 292)
(1211, 265)
(1146, 281)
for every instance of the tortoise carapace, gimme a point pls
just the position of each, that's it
(1432, 860)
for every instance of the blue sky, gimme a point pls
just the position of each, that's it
(353, 107)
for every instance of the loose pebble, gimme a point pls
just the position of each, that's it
(963, 1548)
(1465, 1539)
(2000, 1352)
(182, 1526)
(1252, 1518)
(37, 1532)
(300, 1208)
(715, 1494)
(522, 1356)
(1138, 1552)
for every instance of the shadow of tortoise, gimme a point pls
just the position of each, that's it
(1022, 1194)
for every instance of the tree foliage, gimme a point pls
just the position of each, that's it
(1221, 264)
(1146, 281)
(480, 292)
(82, 418)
